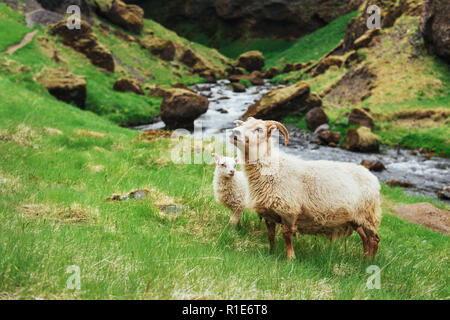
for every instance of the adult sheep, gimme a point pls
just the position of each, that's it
(326, 198)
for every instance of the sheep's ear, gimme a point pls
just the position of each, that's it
(236, 160)
(238, 123)
(216, 157)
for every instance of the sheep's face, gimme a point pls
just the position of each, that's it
(225, 165)
(253, 137)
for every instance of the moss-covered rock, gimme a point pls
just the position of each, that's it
(160, 47)
(85, 41)
(280, 102)
(360, 117)
(128, 85)
(64, 85)
(129, 17)
(362, 140)
(251, 61)
(181, 107)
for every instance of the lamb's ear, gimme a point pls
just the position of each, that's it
(238, 122)
(274, 125)
(216, 157)
(236, 160)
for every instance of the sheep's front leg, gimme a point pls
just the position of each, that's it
(287, 234)
(271, 228)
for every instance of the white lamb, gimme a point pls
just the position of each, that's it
(230, 187)
(326, 198)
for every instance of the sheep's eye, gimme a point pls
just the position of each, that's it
(223, 165)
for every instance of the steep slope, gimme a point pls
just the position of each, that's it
(131, 60)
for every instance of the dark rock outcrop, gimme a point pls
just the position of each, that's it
(129, 17)
(251, 61)
(285, 19)
(271, 72)
(326, 63)
(315, 117)
(280, 102)
(64, 85)
(85, 41)
(435, 27)
(159, 47)
(390, 11)
(128, 85)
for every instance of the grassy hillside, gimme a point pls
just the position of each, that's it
(135, 62)
(408, 82)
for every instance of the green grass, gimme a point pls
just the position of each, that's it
(127, 250)
(278, 52)
(12, 28)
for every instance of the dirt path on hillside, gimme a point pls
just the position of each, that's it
(27, 39)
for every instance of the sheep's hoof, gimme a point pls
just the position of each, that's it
(290, 255)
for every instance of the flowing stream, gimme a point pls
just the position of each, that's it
(427, 176)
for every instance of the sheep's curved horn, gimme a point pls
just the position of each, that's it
(280, 127)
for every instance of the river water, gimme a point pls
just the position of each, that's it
(428, 176)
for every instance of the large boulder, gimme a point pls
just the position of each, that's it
(165, 49)
(360, 117)
(63, 85)
(128, 85)
(85, 41)
(129, 17)
(251, 61)
(181, 107)
(280, 102)
(315, 117)
(238, 87)
(435, 27)
(362, 140)
(426, 214)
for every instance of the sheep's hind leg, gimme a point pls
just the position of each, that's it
(271, 227)
(287, 234)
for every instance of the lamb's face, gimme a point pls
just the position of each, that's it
(225, 165)
(253, 137)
